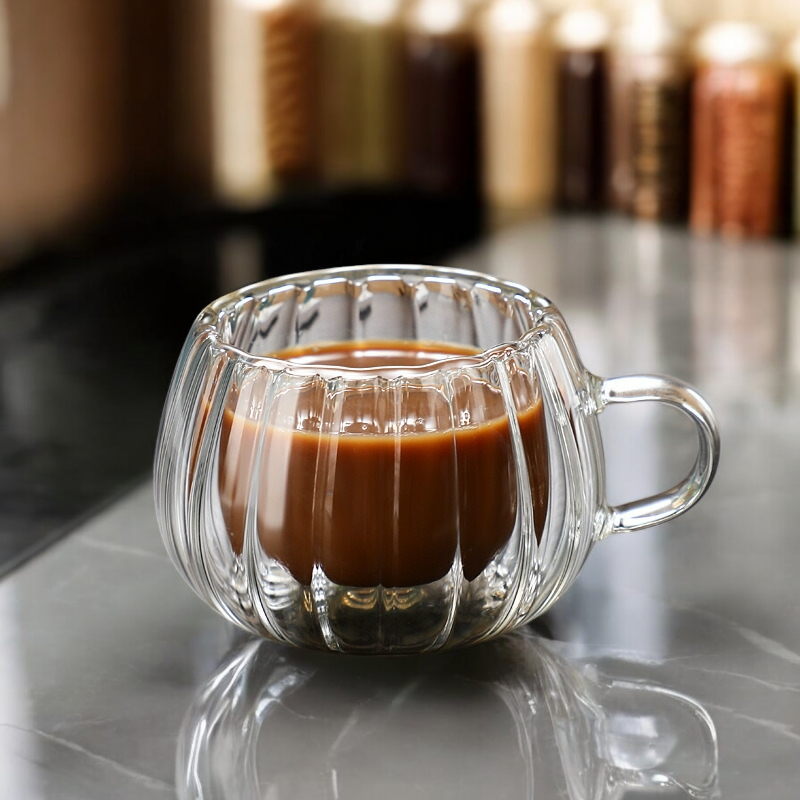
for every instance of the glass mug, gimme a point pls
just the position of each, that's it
(393, 459)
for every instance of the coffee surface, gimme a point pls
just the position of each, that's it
(387, 483)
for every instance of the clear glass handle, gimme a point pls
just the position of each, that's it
(670, 504)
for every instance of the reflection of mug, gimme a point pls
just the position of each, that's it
(492, 721)
(393, 459)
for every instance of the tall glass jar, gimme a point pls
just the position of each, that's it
(581, 38)
(518, 108)
(361, 90)
(264, 100)
(441, 90)
(649, 126)
(739, 117)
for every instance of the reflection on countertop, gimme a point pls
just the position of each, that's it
(513, 718)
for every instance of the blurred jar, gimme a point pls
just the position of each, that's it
(264, 95)
(739, 109)
(793, 58)
(649, 128)
(692, 15)
(581, 38)
(518, 108)
(361, 90)
(441, 91)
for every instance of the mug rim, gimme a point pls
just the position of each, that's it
(211, 315)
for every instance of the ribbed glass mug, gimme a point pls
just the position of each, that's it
(442, 484)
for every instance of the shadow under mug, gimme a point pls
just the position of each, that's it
(498, 720)
(407, 507)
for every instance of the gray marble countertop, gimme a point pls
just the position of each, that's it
(671, 668)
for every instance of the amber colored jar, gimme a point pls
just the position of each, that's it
(264, 95)
(739, 107)
(793, 144)
(518, 108)
(361, 90)
(581, 38)
(441, 97)
(650, 75)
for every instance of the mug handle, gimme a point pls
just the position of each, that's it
(672, 503)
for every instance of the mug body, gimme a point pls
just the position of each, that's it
(380, 459)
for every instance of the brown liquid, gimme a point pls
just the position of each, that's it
(380, 488)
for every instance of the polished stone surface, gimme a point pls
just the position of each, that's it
(670, 669)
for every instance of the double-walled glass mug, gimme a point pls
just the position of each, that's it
(393, 458)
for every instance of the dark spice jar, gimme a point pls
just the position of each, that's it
(581, 38)
(649, 78)
(441, 97)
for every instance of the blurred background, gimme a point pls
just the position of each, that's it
(154, 155)
(122, 112)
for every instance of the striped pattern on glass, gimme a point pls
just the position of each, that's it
(256, 493)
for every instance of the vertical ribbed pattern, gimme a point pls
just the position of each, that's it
(418, 294)
(585, 471)
(484, 322)
(240, 323)
(203, 490)
(480, 552)
(561, 535)
(468, 299)
(456, 584)
(360, 309)
(526, 544)
(530, 581)
(330, 424)
(220, 555)
(522, 316)
(388, 557)
(252, 553)
(465, 301)
(172, 469)
(275, 323)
